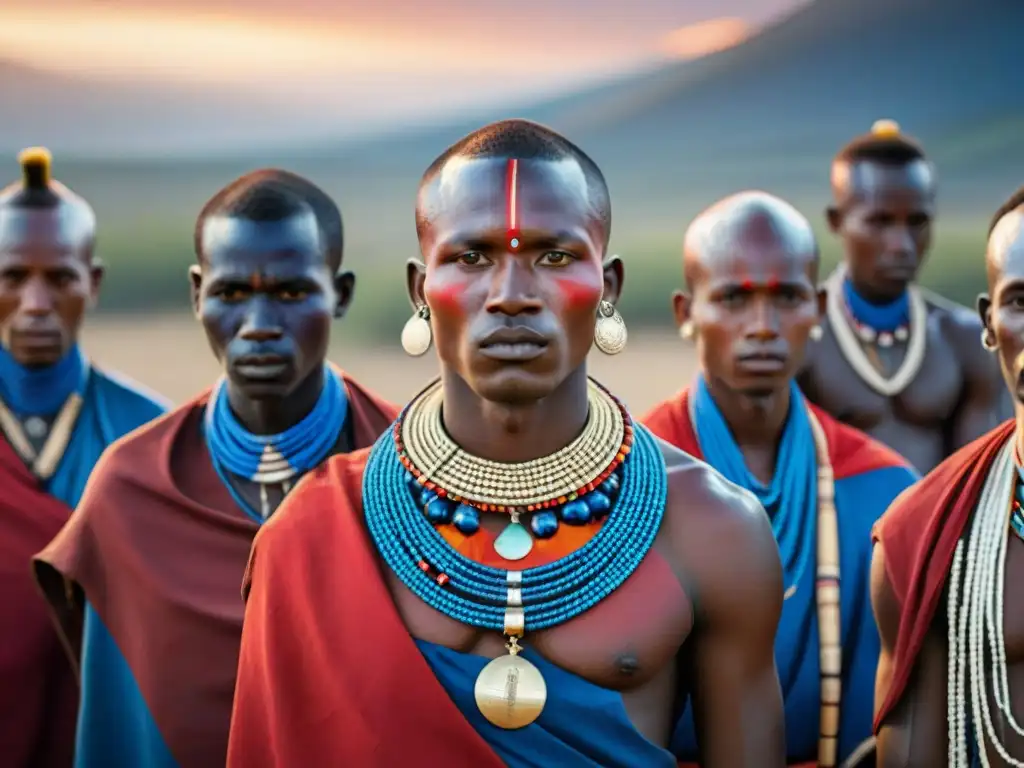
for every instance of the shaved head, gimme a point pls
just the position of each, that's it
(742, 225)
(751, 268)
(1002, 308)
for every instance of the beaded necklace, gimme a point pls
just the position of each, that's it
(31, 395)
(273, 459)
(575, 485)
(977, 665)
(510, 691)
(877, 324)
(839, 318)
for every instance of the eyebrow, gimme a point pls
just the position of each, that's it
(482, 240)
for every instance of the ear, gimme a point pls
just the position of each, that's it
(822, 301)
(984, 304)
(834, 217)
(345, 288)
(415, 275)
(195, 285)
(682, 307)
(614, 277)
(96, 272)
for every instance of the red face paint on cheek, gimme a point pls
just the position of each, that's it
(448, 297)
(578, 295)
(512, 204)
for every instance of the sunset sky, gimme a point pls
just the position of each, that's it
(264, 44)
(367, 61)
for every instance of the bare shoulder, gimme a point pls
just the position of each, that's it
(719, 535)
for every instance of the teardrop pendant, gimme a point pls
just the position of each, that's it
(515, 542)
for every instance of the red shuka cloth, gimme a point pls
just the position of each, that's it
(162, 570)
(38, 691)
(920, 533)
(329, 674)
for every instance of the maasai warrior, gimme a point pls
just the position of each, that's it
(156, 551)
(517, 574)
(57, 415)
(950, 687)
(751, 265)
(894, 359)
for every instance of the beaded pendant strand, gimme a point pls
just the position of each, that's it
(576, 485)
(506, 601)
(274, 459)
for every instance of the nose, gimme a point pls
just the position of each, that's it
(764, 324)
(514, 290)
(261, 322)
(900, 242)
(36, 298)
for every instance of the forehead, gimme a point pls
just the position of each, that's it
(759, 247)
(233, 245)
(45, 233)
(1006, 247)
(473, 194)
(883, 185)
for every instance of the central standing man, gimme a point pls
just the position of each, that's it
(517, 574)
(751, 266)
(146, 576)
(895, 360)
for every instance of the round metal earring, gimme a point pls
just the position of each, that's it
(416, 335)
(987, 341)
(686, 331)
(610, 331)
(816, 333)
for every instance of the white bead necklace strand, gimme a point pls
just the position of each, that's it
(975, 610)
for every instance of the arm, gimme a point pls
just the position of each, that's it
(914, 735)
(736, 696)
(985, 402)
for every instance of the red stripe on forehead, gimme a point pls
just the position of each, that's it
(512, 203)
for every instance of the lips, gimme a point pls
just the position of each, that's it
(513, 344)
(36, 339)
(262, 367)
(762, 363)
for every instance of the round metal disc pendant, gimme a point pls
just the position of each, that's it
(35, 427)
(510, 692)
(416, 336)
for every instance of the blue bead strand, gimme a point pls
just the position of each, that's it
(475, 594)
(303, 445)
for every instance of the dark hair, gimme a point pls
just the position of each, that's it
(884, 144)
(525, 140)
(1013, 202)
(271, 194)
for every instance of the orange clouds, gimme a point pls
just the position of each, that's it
(706, 37)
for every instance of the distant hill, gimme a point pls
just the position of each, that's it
(769, 113)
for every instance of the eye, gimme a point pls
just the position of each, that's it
(232, 295)
(732, 298)
(789, 296)
(472, 259)
(292, 294)
(556, 259)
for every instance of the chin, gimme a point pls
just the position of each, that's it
(37, 358)
(515, 386)
(262, 390)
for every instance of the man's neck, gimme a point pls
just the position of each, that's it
(755, 422)
(271, 416)
(515, 432)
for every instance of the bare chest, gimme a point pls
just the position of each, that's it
(622, 643)
(926, 403)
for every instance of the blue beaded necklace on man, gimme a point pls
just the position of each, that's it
(38, 403)
(273, 459)
(512, 602)
(880, 324)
